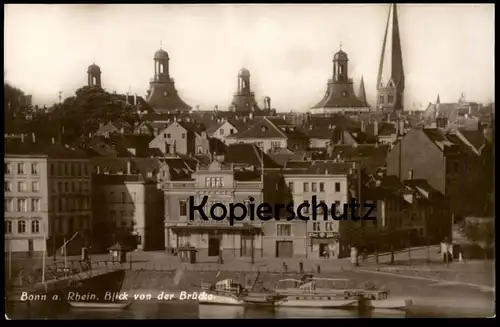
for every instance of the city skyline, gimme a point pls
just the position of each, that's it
(273, 41)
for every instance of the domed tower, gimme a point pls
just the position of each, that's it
(162, 95)
(244, 98)
(340, 96)
(391, 78)
(94, 75)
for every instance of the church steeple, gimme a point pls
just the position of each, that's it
(438, 101)
(362, 93)
(390, 79)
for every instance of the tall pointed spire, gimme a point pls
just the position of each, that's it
(362, 93)
(438, 101)
(390, 79)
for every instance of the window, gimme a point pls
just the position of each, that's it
(60, 187)
(34, 168)
(22, 205)
(168, 135)
(214, 182)
(183, 135)
(78, 170)
(66, 187)
(35, 205)
(306, 206)
(83, 222)
(58, 225)
(6, 168)
(21, 226)
(7, 187)
(314, 187)
(21, 187)
(8, 227)
(275, 145)
(221, 131)
(8, 205)
(85, 170)
(231, 131)
(381, 99)
(390, 98)
(165, 135)
(35, 226)
(111, 197)
(321, 187)
(20, 168)
(35, 186)
(133, 196)
(329, 226)
(337, 187)
(182, 208)
(200, 149)
(66, 169)
(306, 187)
(290, 186)
(52, 170)
(316, 227)
(284, 229)
(123, 198)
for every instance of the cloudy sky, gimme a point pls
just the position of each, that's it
(447, 49)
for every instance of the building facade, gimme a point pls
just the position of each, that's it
(47, 196)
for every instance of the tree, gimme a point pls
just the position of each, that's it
(82, 113)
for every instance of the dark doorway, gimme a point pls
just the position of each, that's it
(213, 246)
(246, 245)
(322, 248)
(284, 249)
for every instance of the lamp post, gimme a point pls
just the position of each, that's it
(253, 246)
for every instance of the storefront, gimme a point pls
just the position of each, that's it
(323, 245)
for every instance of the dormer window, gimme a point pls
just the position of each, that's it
(263, 128)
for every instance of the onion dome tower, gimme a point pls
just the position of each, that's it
(94, 75)
(244, 98)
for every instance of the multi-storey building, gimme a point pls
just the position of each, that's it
(182, 137)
(47, 195)
(329, 182)
(243, 175)
(126, 203)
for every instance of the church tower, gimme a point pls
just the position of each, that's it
(162, 95)
(244, 98)
(340, 96)
(391, 79)
(94, 76)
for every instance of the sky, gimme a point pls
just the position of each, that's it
(447, 49)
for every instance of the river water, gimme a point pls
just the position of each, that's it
(191, 310)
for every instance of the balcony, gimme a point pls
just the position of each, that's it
(250, 185)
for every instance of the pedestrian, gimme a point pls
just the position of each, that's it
(301, 267)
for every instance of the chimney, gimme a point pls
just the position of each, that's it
(375, 128)
(22, 137)
(122, 130)
(97, 169)
(129, 170)
(135, 99)
(410, 174)
(126, 98)
(53, 141)
(363, 127)
(33, 137)
(401, 127)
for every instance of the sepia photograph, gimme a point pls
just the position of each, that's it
(242, 161)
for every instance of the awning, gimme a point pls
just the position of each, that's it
(319, 240)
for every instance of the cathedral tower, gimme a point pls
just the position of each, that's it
(391, 79)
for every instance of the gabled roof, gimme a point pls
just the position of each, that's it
(249, 154)
(192, 127)
(282, 156)
(476, 138)
(263, 128)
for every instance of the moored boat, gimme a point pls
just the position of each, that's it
(316, 293)
(380, 300)
(227, 292)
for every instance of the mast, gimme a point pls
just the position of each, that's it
(44, 253)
